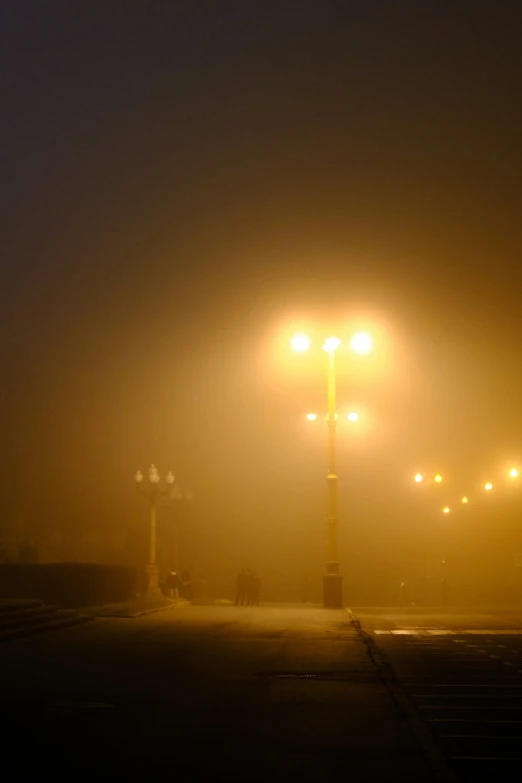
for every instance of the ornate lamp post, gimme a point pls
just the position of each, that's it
(361, 343)
(154, 493)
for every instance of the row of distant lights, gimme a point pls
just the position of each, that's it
(361, 343)
(488, 486)
(352, 416)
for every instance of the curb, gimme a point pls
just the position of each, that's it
(442, 772)
(174, 605)
(140, 613)
(59, 624)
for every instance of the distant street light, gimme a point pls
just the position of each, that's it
(464, 499)
(311, 416)
(154, 493)
(418, 478)
(445, 510)
(361, 343)
(488, 486)
(513, 473)
(300, 343)
(332, 581)
(438, 478)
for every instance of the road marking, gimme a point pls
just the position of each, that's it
(472, 720)
(447, 632)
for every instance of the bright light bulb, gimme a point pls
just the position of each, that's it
(513, 473)
(438, 478)
(311, 416)
(418, 478)
(445, 510)
(464, 499)
(331, 344)
(353, 416)
(361, 343)
(488, 486)
(300, 343)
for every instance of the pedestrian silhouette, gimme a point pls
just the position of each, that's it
(241, 585)
(249, 588)
(172, 583)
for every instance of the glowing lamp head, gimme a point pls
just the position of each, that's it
(361, 343)
(418, 478)
(311, 416)
(464, 499)
(153, 475)
(488, 487)
(353, 416)
(300, 343)
(438, 478)
(331, 344)
(513, 473)
(445, 510)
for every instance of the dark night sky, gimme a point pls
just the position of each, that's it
(181, 180)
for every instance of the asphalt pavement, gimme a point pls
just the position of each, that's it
(270, 693)
(461, 669)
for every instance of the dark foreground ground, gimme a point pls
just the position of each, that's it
(462, 672)
(207, 693)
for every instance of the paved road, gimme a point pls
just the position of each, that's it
(463, 671)
(206, 693)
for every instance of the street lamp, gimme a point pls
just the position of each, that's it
(513, 473)
(300, 343)
(154, 493)
(488, 486)
(445, 510)
(353, 416)
(438, 478)
(418, 478)
(464, 499)
(332, 581)
(311, 416)
(361, 343)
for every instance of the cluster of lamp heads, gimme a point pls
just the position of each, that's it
(360, 342)
(154, 476)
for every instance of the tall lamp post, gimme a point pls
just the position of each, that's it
(154, 493)
(332, 580)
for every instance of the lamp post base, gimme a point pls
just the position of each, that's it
(153, 588)
(333, 587)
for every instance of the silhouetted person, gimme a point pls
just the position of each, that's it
(249, 588)
(444, 590)
(172, 583)
(241, 585)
